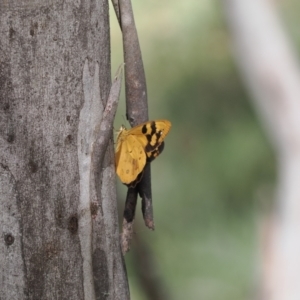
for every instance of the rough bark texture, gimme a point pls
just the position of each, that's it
(271, 71)
(59, 236)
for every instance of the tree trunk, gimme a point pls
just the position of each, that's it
(59, 230)
(271, 71)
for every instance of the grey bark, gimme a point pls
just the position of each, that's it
(271, 71)
(59, 231)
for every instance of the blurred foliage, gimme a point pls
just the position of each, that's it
(216, 176)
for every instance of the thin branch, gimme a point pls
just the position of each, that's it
(115, 4)
(128, 219)
(136, 96)
(103, 131)
(135, 80)
(144, 190)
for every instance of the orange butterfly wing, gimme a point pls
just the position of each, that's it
(138, 145)
(130, 159)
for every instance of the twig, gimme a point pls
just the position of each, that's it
(115, 4)
(135, 80)
(144, 189)
(103, 131)
(136, 97)
(129, 212)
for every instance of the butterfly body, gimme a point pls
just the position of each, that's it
(137, 146)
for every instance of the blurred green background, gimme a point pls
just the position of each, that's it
(215, 180)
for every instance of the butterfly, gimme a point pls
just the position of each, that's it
(137, 146)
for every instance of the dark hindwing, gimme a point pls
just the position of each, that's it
(153, 154)
(155, 135)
